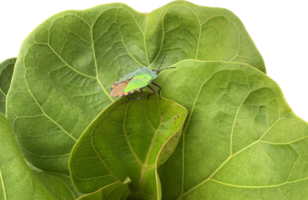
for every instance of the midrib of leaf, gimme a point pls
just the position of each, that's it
(144, 167)
(44, 111)
(3, 188)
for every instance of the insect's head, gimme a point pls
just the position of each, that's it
(158, 71)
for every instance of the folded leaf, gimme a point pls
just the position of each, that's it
(127, 140)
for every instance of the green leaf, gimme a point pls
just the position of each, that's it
(6, 72)
(67, 65)
(127, 140)
(17, 181)
(241, 140)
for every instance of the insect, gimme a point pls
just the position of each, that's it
(136, 81)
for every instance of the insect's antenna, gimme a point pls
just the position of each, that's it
(164, 69)
(161, 62)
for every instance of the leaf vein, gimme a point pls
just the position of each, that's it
(96, 68)
(44, 111)
(102, 159)
(3, 187)
(125, 133)
(254, 187)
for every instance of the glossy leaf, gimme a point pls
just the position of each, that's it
(6, 72)
(241, 140)
(17, 181)
(127, 140)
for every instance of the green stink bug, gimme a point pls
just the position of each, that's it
(135, 81)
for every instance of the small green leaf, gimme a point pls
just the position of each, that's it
(6, 72)
(17, 181)
(127, 140)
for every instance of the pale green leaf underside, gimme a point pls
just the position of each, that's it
(17, 181)
(67, 65)
(6, 72)
(241, 139)
(125, 141)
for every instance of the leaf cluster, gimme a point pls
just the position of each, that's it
(222, 129)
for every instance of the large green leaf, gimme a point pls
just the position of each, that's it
(67, 65)
(241, 139)
(17, 181)
(6, 72)
(127, 140)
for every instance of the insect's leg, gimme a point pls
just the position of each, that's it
(154, 92)
(129, 98)
(158, 89)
